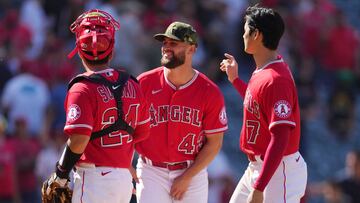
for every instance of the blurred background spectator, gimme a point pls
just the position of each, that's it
(8, 170)
(333, 193)
(349, 178)
(321, 43)
(221, 179)
(26, 151)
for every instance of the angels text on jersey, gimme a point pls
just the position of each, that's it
(174, 113)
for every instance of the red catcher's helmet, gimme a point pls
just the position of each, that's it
(94, 32)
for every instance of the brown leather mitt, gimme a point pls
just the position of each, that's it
(56, 190)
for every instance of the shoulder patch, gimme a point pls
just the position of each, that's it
(222, 116)
(73, 113)
(282, 109)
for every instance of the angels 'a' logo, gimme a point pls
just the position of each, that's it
(282, 109)
(74, 112)
(222, 116)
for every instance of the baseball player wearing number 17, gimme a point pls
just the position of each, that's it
(271, 123)
(187, 124)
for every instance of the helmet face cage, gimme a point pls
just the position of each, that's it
(94, 32)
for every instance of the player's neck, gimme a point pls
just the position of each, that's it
(94, 68)
(264, 57)
(180, 75)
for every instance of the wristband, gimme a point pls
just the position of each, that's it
(66, 163)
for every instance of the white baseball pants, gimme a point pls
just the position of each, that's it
(287, 185)
(102, 185)
(155, 184)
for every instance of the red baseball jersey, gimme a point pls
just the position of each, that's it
(271, 99)
(91, 107)
(180, 117)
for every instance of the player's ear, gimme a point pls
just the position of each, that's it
(256, 34)
(192, 49)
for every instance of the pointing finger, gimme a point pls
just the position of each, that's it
(229, 56)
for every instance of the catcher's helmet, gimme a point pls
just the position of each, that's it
(94, 32)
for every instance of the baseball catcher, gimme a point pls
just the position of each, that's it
(102, 124)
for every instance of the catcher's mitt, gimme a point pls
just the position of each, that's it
(53, 192)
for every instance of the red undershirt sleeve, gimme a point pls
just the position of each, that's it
(240, 86)
(274, 153)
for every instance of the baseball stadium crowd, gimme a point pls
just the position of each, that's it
(321, 45)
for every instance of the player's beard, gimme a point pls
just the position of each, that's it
(174, 61)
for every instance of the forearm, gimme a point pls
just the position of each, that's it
(74, 148)
(78, 143)
(205, 156)
(240, 86)
(273, 155)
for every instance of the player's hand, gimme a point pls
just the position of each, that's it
(179, 187)
(255, 196)
(133, 174)
(61, 182)
(56, 189)
(230, 66)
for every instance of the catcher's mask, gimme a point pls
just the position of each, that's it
(94, 32)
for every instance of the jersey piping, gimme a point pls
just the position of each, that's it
(216, 130)
(78, 126)
(281, 122)
(182, 86)
(266, 65)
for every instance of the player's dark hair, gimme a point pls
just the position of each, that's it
(97, 62)
(268, 22)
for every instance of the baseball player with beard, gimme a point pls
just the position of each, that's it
(188, 120)
(106, 115)
(271, 123)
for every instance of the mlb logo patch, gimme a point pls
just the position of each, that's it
(282, 109)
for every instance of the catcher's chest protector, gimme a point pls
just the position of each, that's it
(117, 90)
